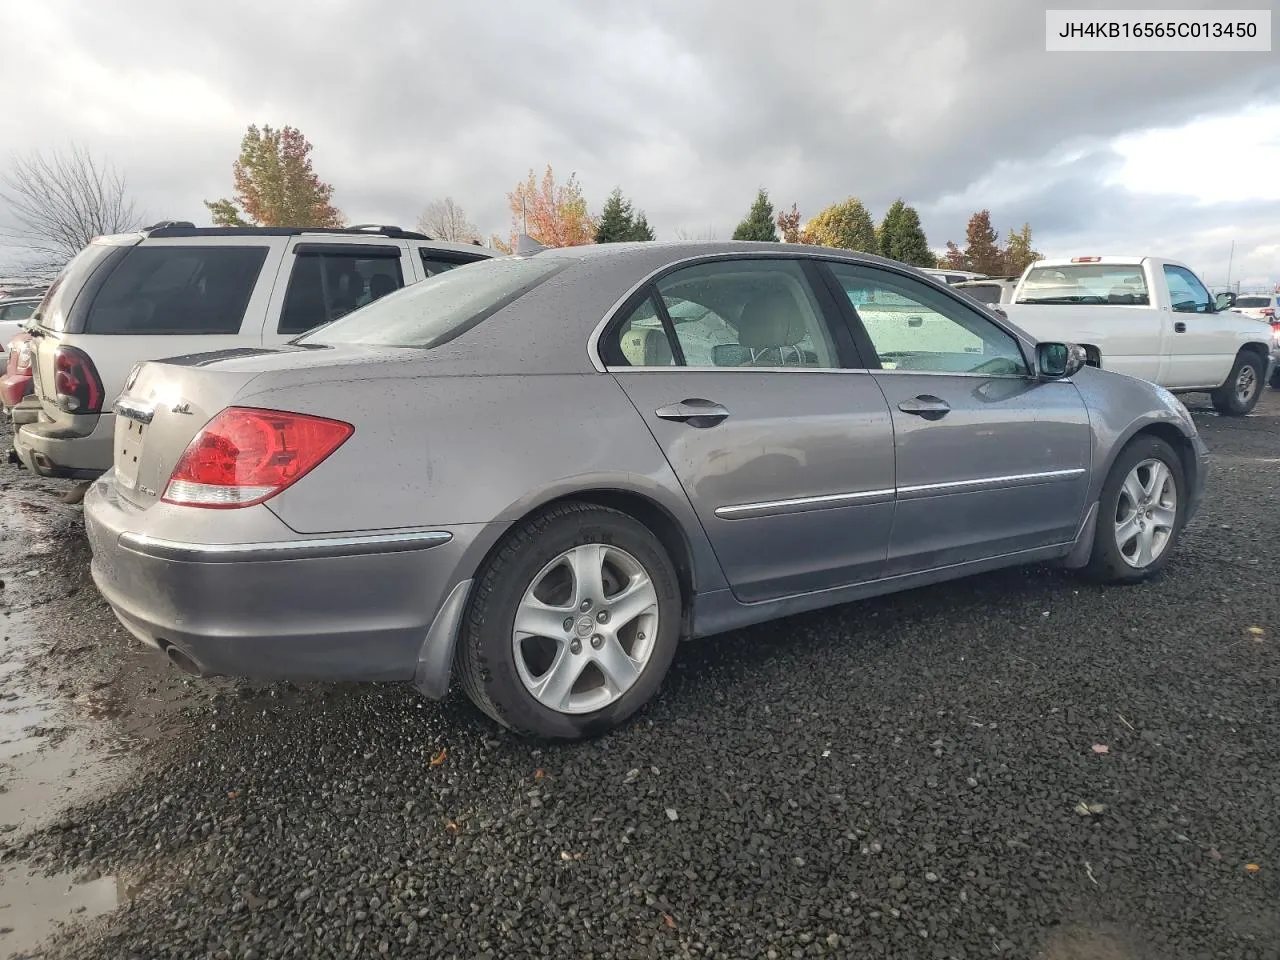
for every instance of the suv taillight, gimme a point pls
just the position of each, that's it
(1268, 311)
(245, 455)
(22, 364)
(76, 382)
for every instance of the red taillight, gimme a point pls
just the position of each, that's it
(1086, 259)
(1268, 311)
(75, 381)
(245, 455)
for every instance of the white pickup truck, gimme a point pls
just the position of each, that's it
(1149, 318)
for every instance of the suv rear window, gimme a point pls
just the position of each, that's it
(1253, 303)
(440, 308)
(983, 292)
(58, 299)
(165, 289)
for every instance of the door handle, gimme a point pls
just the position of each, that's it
(695, 411)
(1180, 327)
(929, 407)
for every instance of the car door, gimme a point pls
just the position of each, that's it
(990, 460)
(1199, 356)
(742, 372)
(327, 280)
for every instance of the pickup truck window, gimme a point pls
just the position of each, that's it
(1116, 284)
(1186, 292)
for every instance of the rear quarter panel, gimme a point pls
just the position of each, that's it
(443, 451)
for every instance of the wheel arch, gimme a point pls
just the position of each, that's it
(1165, 430)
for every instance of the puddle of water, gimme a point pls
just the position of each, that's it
(33, 906)
(45, 765)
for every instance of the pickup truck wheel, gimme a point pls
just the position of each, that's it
(1140, 513)
(1239, 394)
(573, 624)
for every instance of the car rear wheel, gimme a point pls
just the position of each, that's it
(573, 623)
(1140, 513)
(1239, 394)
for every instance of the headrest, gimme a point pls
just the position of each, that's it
(771, 320)
(646, 347)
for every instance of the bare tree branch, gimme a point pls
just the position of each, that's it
(446, 220)
(706, 233)
(57, 202)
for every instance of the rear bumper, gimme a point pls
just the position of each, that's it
(53, 450)
(344, 607)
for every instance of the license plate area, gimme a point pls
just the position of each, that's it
(128, 451)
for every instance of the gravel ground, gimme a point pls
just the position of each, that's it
(896, 778)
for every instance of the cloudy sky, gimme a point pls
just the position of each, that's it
(688, 105)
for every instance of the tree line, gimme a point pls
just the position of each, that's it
(59, 204)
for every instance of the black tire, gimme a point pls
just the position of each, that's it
(485, 658)
(1275, 378)
(1228, 399)
(1106, 563)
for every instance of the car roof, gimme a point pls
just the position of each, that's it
(169, 229)
(674, 251)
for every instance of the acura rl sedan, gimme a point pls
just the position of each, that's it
(535, 475)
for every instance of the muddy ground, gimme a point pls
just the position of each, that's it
(900, 777)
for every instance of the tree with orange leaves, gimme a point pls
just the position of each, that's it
(555, 215)
(276, 185)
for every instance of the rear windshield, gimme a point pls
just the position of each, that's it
(1253, 303)
(165, 289)
(58, 299)
(1118, 284)
(437, 309)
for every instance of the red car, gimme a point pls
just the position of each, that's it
(16, 381)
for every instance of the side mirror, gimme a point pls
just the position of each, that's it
(1224, 301)
(1055, 361)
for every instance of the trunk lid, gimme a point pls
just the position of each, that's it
(163, 406)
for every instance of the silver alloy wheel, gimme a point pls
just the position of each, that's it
(1246, 384)
(585, 628)
(1145, 513)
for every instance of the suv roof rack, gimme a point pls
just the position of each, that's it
(185, 228)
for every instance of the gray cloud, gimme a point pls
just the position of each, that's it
(689, 106)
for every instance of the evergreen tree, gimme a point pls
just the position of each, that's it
(619, 222)
(758, 224)
(640, 230)
(902, 238)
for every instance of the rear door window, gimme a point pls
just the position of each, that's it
(328, 283)
(165, 289)
(437, 261)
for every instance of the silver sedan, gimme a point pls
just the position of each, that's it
(533, 476)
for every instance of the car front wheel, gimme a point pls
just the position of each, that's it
(1140, 513)
(572, 625)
